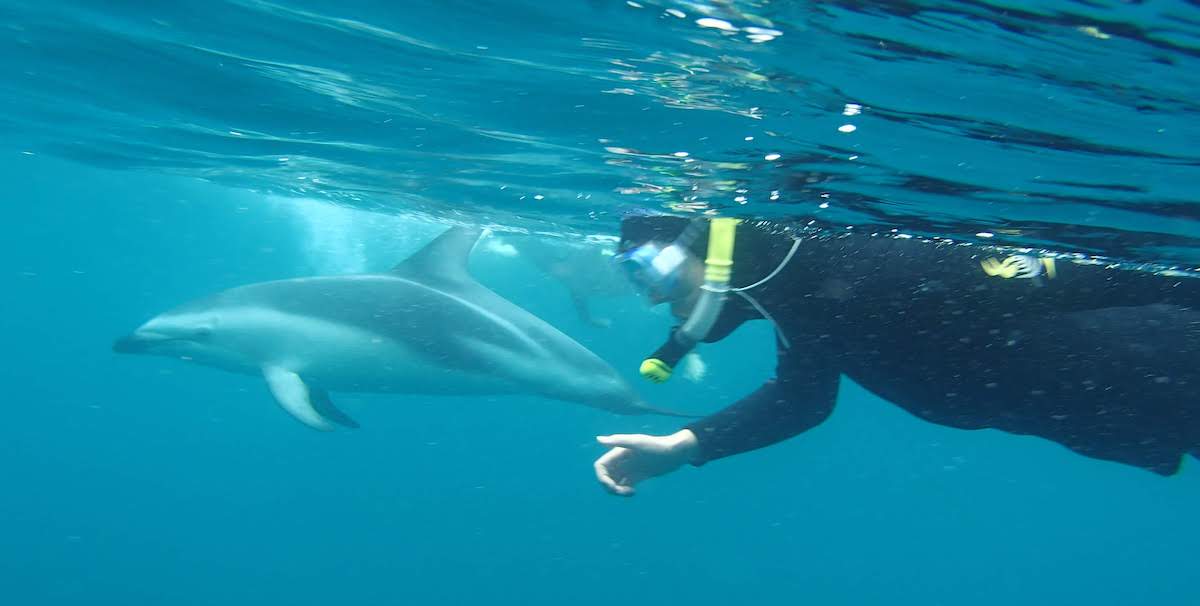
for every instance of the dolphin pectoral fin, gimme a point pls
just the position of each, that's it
(324, 406)
(293, 395)
(585, 312)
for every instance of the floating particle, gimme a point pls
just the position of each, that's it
(985, 234)
(771, 157)
(847, 128)
(1094, 32)
(852, 109)
(674, 12)
(716, 24)
(680, 154)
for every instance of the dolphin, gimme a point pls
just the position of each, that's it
(425, 327)
(585, 269)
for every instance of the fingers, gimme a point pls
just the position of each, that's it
(604, 474)
(632, 441)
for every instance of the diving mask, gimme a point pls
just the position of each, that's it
(655, 270)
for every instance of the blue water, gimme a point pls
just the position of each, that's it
(152, 153)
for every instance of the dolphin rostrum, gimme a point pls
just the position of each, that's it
(425, 327)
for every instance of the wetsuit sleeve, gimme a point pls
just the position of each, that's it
(798, 398)
(1062, 287)
(1085, 287)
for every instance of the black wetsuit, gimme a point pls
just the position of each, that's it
(1103, 361)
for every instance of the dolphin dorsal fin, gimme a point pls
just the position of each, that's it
(445, 258)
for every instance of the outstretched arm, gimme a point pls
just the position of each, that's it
(800, 397)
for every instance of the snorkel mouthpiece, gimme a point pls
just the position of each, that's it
(661, 364)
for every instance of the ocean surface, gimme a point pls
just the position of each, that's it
(152, 153)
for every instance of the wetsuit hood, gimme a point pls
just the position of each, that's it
(732, 253)
(761, 245)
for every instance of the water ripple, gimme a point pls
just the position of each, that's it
(1070, 125)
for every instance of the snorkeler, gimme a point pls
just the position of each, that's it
(1105, 362)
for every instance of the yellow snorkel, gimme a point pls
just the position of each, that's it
(718, 270)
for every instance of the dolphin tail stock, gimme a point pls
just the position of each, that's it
(642, 408)
(664, 412)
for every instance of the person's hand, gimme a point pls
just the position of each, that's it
(637, 457)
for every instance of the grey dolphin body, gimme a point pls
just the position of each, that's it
(585, 269)
(425, 327)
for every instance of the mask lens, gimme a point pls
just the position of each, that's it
(653, 270)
